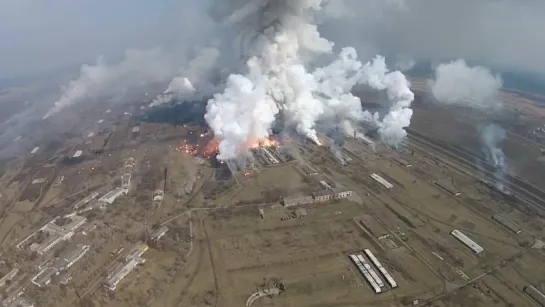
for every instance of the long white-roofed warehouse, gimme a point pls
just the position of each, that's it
(382, 181)
(476, 248)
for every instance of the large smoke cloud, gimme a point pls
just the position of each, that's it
(103, 80)
(281, 41)
(457, 83)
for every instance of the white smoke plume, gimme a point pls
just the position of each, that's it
(491, 136)
(193, 81)
(457, 83)
(100, 80)
(280, 39)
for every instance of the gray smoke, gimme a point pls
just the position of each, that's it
(491, 136)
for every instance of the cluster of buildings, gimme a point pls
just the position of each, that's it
(62, 263)
(57, 230)
(327, 194)
(370, 274)
(132, 260)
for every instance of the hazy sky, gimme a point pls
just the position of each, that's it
(42, 35)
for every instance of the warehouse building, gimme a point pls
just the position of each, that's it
(402, 162)
(476, 248)
(85, 200)
(68, 258)
(9, 276)
(382, 181)
(110, 197)
(159, 233)
(120, 272)
(447, 186)
(507, 223)
(381, 269)
(373, 227)
(137, 251)
(535, 294)
(295, 201)
(43, 278)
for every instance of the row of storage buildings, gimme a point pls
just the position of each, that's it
(370, 274)
(316, 197)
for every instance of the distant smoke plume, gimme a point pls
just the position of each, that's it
(491, 137)
(280, 40)
(193, 82)
(102, 80)
(404, 63)
(457, 83)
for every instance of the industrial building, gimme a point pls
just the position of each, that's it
(326, 185)
(85, 200)
(46, 245)
(476, 248)
(371, 271)
(322, 196)
(56, 232)
(110, 197)
(68, 258)
(382, 181)
(381, 269)
(507, 223)
(137, 251)
(43, 278)
(294, 201)
(120, 272)
(365, 273)
(159, 233)
(9, 276)
(126, 183)
(402, 162)
(77, 154)
(535, 294)
(373, 227)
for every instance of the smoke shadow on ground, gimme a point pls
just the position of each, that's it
(191, 112)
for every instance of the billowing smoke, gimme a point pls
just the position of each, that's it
(491, 136)
(281, 40)
(457, 83)
(102, 80)
(193, 83)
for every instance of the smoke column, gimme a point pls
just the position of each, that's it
(95, 81)
(193, 80)
(280, 40)
(491, 136)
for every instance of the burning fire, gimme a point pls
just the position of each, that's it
(264, 143)
(212, 148)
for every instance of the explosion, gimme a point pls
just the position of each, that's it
(280, 40)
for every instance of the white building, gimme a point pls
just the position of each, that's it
(120, 272)
(8, 276)
(67, 259)
(126, 183)
(77, 154)
(382, 181)
(35, 150)
(43, 278)
(159, 233)
(137, 251)
(476, 248)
